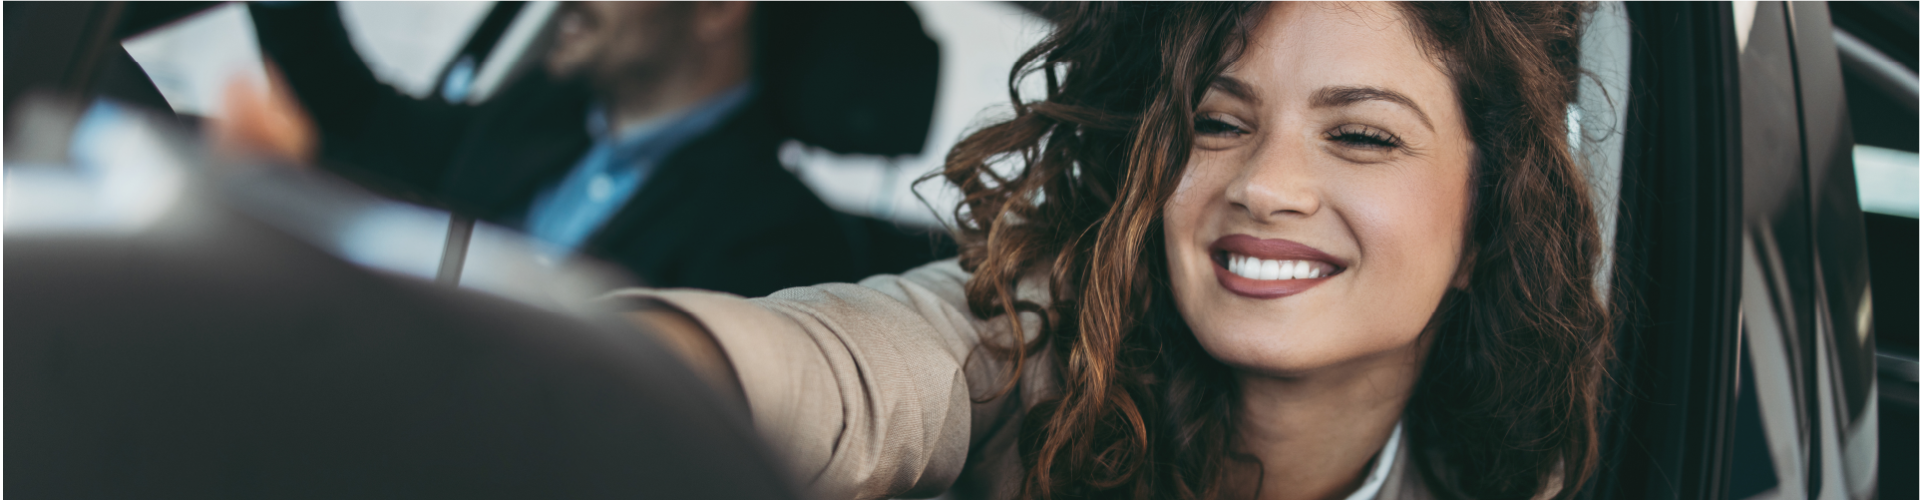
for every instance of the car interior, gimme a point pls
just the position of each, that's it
(1764, 271)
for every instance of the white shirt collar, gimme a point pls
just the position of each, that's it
(1382, 465)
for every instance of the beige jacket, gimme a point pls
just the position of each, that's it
(867, 390)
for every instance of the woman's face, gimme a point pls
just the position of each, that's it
(1323, 212)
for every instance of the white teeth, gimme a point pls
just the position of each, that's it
(1266, 270)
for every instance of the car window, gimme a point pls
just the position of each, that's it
(1596, 123)
(405, 44)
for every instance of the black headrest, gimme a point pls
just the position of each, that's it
(851, 77)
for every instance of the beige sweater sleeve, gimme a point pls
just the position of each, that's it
(864, 389)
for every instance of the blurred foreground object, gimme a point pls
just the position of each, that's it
(189, 332)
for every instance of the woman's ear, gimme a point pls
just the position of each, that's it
(1469, 246)
(1464, 270)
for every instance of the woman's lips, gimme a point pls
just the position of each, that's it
(1259, 257)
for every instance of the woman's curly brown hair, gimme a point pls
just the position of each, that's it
(1507, 403)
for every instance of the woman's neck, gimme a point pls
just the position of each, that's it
(1316, 434)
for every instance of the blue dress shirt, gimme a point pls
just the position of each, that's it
(566, 213)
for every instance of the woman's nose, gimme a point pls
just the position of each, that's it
(1276, 182)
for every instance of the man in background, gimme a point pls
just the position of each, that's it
(644, 139)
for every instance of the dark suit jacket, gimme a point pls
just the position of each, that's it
(721, 213)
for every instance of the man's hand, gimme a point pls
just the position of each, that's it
(267, 124)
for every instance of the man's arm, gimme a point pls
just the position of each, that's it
(367, 128)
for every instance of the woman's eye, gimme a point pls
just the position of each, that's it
(1364, 138)
(1214, 126)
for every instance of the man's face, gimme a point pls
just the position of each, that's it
(606, 42)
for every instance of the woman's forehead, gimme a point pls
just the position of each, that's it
(1300, 49)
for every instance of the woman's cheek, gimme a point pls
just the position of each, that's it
(1404, 260)
(1410, 234)
(1182, 220)
(1195, 181)
(1186, 209)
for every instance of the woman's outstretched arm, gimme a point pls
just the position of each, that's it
(865, 390)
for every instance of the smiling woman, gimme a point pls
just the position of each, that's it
(1440, 242)
(1250, 251)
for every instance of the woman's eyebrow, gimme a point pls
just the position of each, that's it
(1236, 88)
(1329, 97)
